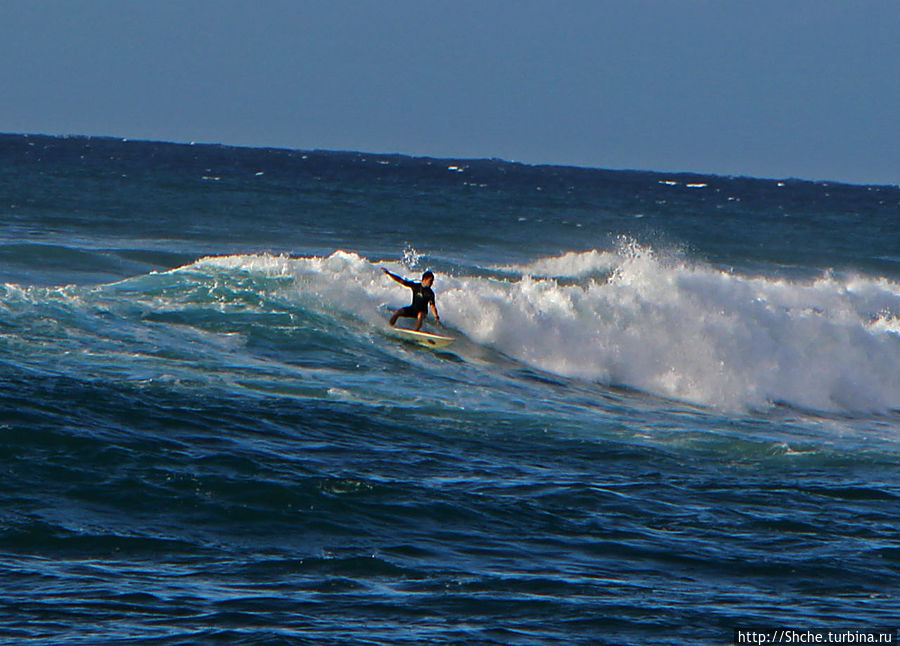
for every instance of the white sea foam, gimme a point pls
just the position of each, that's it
(569, 265)
(666, 326)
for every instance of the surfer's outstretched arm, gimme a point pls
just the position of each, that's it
(402, 281)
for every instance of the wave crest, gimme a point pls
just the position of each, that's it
(632, 317)
(696, 333)
(657, 323)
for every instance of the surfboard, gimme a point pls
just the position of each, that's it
(423, 338)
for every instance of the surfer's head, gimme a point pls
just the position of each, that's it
(427, 279)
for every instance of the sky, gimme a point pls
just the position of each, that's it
(766, 88)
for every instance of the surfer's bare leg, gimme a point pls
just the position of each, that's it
(395, 317)
(420, 318)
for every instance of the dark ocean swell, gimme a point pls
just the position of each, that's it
(206, 518)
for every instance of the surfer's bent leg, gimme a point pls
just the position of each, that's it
(406, 312)
(420, 318)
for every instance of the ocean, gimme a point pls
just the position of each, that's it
(672, 410)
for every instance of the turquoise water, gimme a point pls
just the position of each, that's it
(673, 407)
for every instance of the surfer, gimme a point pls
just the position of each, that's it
(423, 297)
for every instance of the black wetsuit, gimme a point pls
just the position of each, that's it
(422, 296)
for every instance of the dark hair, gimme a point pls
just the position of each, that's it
(427, 274)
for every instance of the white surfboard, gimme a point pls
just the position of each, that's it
(423, 338)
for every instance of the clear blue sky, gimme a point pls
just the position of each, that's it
(770, 88)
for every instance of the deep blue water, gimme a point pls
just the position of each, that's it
(672, 409)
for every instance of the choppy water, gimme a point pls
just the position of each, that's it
(673, 407)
